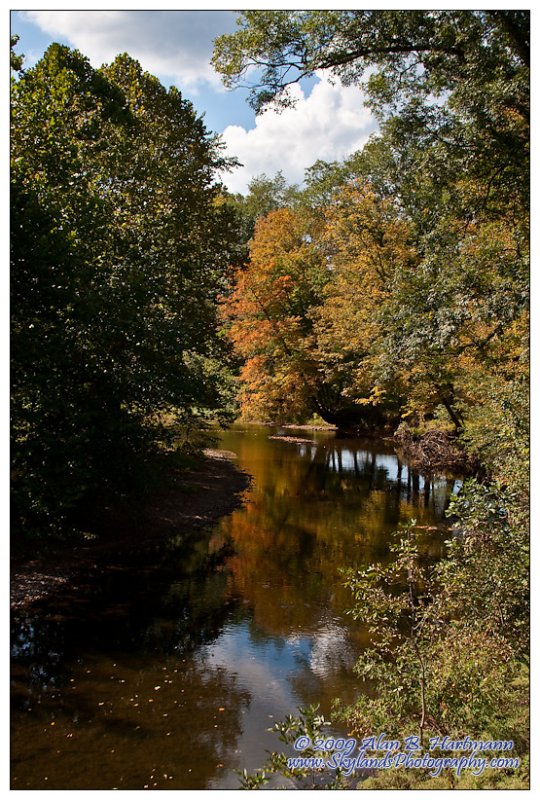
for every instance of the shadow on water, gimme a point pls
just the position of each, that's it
(168, 670)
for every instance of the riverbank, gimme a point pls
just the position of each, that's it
(192, 500)
(434, 451)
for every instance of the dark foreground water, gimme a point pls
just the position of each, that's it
(167, 674)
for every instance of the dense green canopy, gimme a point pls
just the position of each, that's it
(120, 249)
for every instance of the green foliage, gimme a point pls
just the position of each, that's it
(120, 249)
(267, 194)
(486, 575)
(419, 60)
(497, 433)
(15, 60)
(311, 724)
(449, 643)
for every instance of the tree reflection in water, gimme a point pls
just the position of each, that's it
(167, 673)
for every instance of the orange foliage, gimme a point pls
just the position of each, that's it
(267, 318)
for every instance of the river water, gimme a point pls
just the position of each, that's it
(168, 674)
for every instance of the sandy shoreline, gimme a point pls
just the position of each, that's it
(195, 499)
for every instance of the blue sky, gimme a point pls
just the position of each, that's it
(329, 121)
(146, 34)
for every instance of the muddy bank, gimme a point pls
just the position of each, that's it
(292, 439)
(292, 425)
(191, 500)
(310, 427)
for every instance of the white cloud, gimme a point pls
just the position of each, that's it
(177, 44)
(329, 124)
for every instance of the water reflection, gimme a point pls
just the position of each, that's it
(121, 724)
(168, 673)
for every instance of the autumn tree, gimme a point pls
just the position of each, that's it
(264, 194)
(269, 322)
(305, 312)
(369, 248)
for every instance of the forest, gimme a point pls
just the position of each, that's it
(388, 294)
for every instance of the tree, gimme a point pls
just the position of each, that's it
(59, 111)
(265, 194)
(16, 61)
(270, 326)
(415, 51)
(368, 248)
(121, 246)
(451, 91)
(305, 312)
(452, 84)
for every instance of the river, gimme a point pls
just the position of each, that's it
(168, 674)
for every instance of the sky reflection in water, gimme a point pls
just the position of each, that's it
(168, 673)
